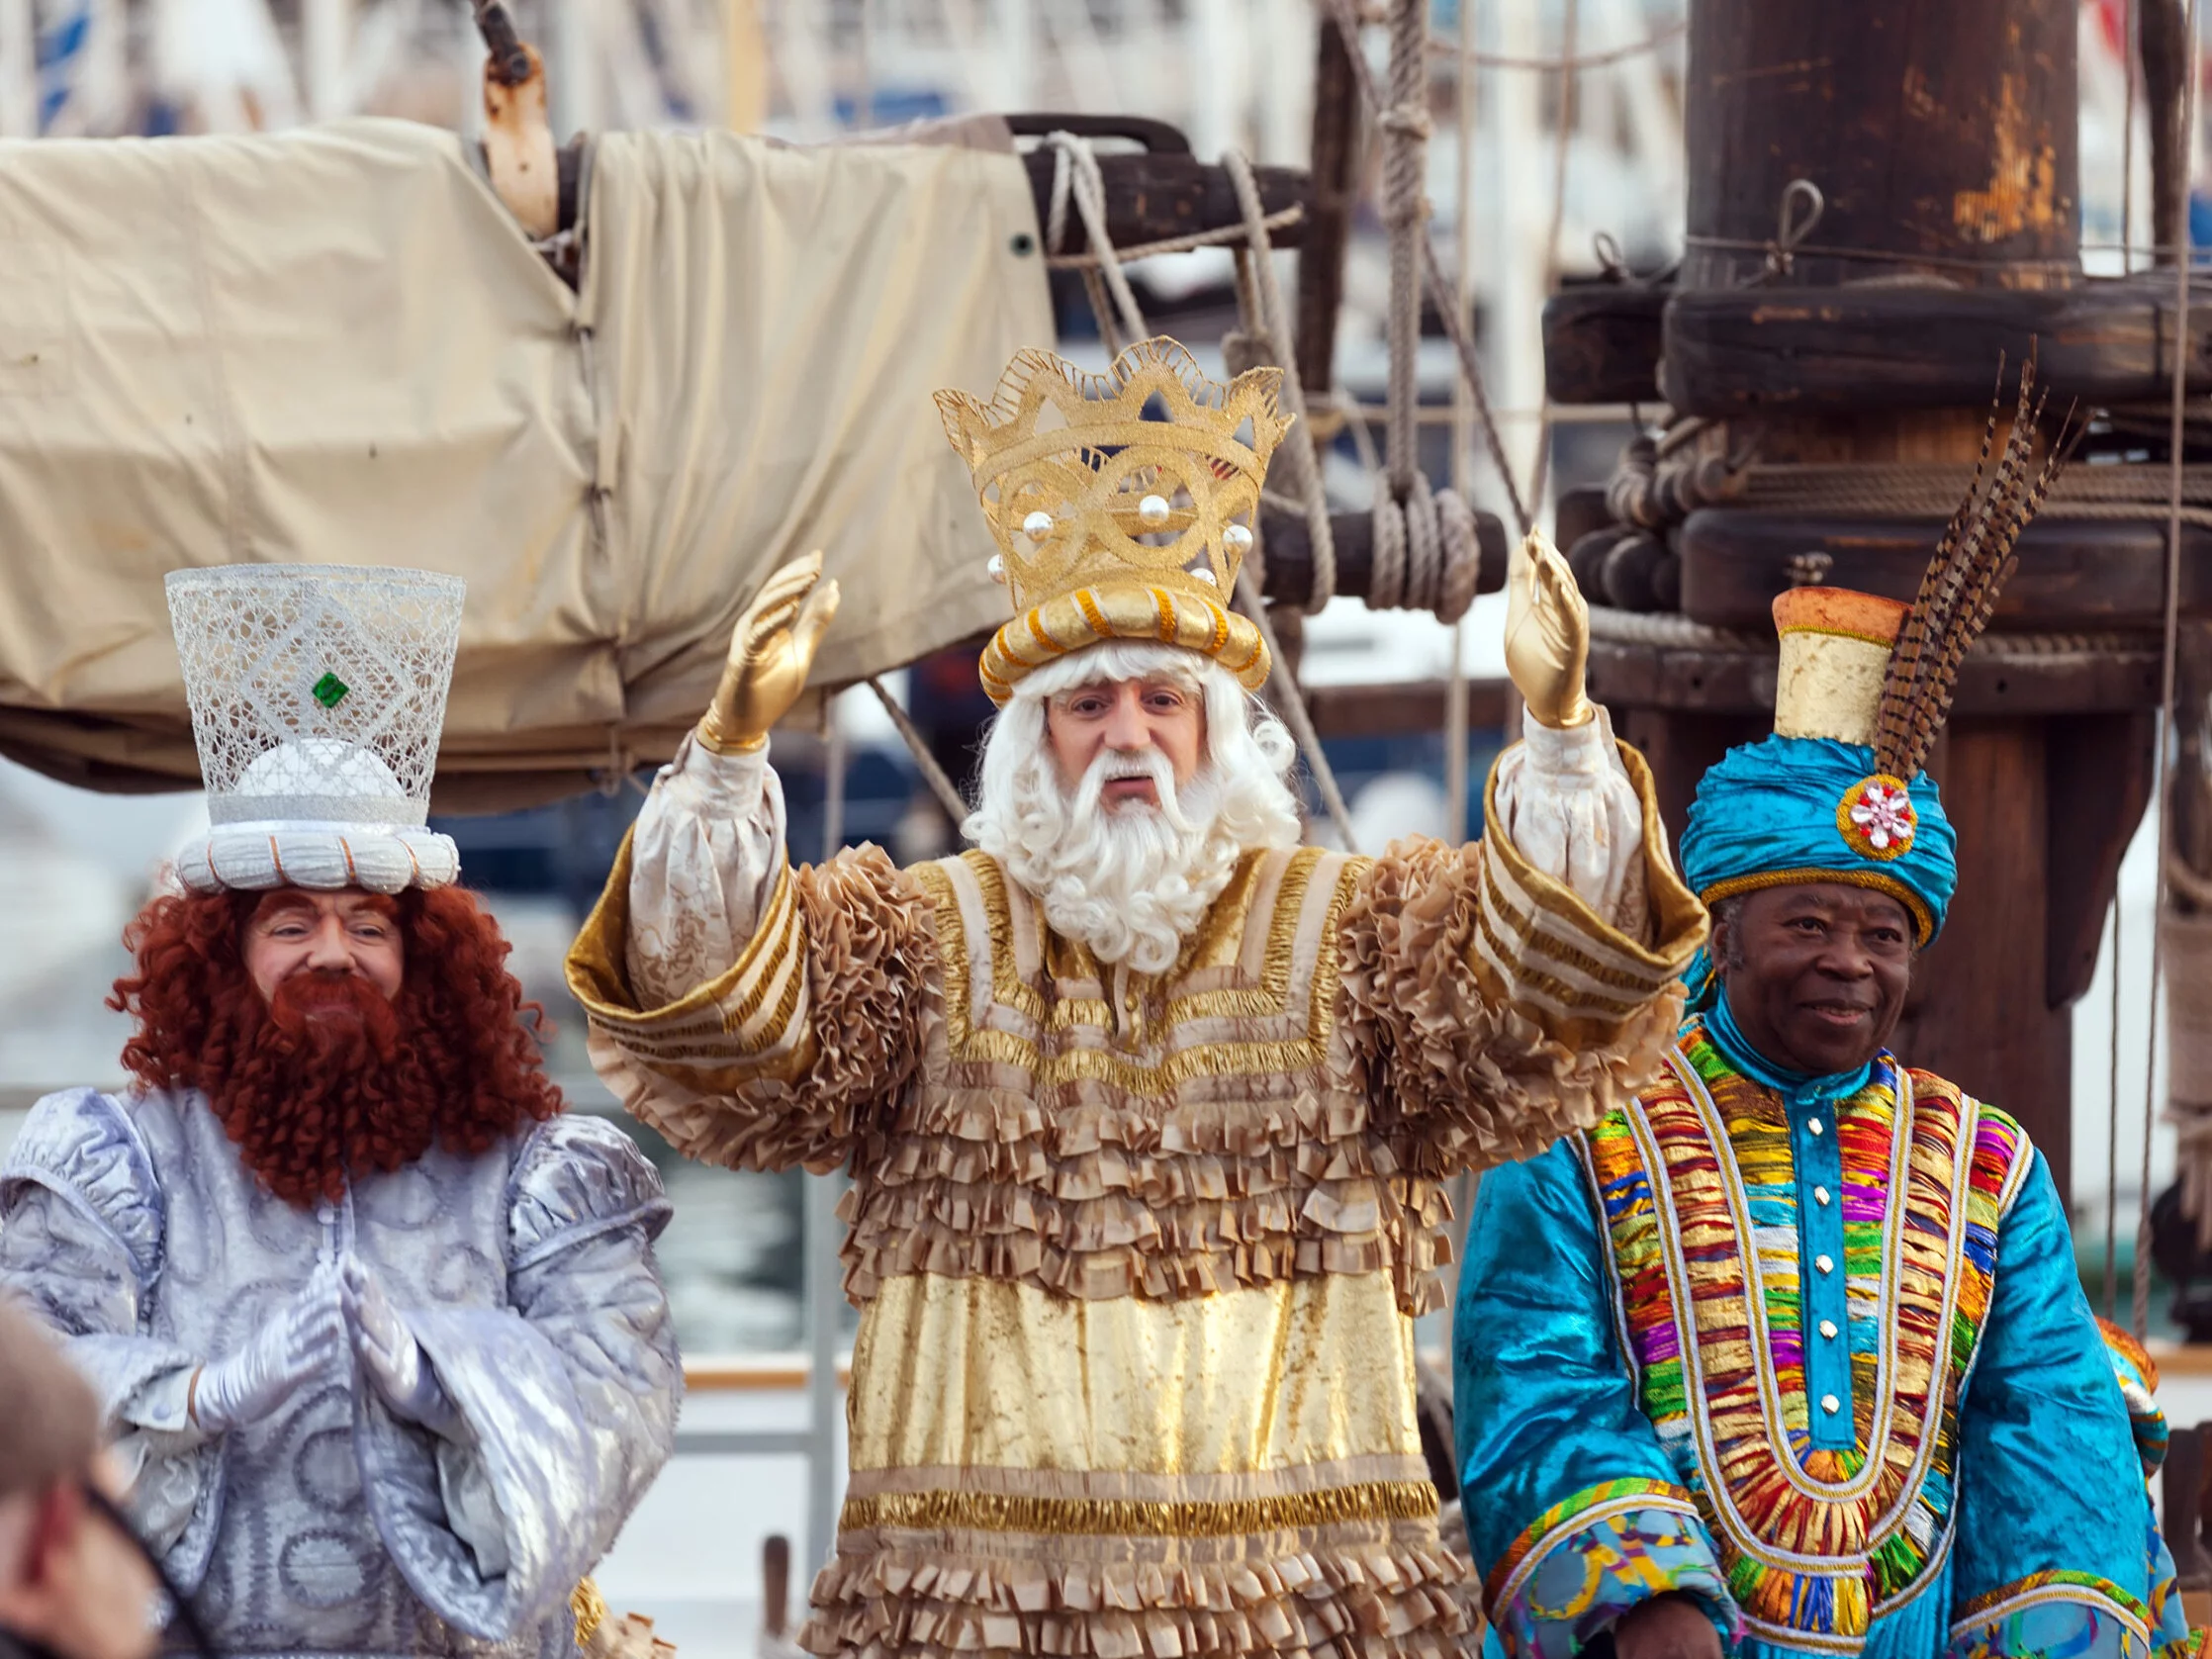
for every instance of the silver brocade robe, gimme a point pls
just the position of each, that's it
(332, 1528)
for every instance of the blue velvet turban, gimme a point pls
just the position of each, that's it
(1792, 809)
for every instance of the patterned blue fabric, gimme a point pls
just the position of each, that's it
(1770, 808)
(2050, 1547)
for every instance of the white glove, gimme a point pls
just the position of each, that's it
(304, 1341)
(396, 1367)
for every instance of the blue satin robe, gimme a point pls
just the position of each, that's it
(1579, 1508)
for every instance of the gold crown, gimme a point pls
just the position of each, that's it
(1111, 526)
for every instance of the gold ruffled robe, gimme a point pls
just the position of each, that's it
(1137, 1258)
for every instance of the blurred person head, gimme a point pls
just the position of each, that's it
(335, 1033)
(73, 1584)
(1122, 784)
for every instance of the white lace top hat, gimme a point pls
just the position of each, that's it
(317, 694)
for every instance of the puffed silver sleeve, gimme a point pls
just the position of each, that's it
(82, 1230)
(569, 1395)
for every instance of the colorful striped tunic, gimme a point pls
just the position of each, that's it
(1823, 1366)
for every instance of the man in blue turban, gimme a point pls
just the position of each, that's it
(1789, 1357)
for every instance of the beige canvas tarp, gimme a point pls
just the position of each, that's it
(334, 346)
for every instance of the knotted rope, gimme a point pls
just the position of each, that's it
(1076, 173)
(1426, 555)
(1265, 339)
(1346, 16)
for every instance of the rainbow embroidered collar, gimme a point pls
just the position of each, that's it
(1816, 1543)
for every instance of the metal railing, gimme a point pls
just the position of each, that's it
(817, 1441)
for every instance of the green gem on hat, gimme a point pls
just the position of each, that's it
(329, 691)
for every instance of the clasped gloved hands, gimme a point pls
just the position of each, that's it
(342, 1313)
(391, 1358)
(305, 1342)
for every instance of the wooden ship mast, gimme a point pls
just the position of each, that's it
(1881, 203)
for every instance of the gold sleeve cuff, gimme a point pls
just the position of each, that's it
(749, 1020)
(1539, 945)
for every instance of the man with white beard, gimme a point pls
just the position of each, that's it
(1146, 1107)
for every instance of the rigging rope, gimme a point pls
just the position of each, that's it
(2128, 27)
(1426, 556)
(1563, 131)
(1267, 326)
(1439, 291)
(2163, 788)
(2112, 1133)
(1221, 235)
(947, 793)
(1075, 171)
(1567, 62)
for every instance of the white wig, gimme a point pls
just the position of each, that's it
(1133, 884)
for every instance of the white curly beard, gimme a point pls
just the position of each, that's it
(1132, 882)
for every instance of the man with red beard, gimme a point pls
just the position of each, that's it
(378, 1329)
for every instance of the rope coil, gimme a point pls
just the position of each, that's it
(1426, 555)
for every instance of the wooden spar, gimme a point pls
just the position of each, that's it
(1945, 159)
(1158, 195)
(1151, 197)
(1290, 572)
(1334, 189)
(2165, 56)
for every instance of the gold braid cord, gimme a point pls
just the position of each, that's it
(1960, 588)
(588, 1609)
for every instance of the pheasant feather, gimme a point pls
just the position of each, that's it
(1960, 590)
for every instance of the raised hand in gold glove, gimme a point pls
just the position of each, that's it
(1547, 635)
(772, 651)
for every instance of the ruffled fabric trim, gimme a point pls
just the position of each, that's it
(579, 1175)
(82, 1146)
(1112, 1196)
(893, 1593)
(1465, 1081)
(871, 966)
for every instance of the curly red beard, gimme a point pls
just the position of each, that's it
(329, 1077)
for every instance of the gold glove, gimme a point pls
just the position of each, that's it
(772, 651)
(1547, 635)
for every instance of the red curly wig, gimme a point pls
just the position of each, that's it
(454, 1060)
